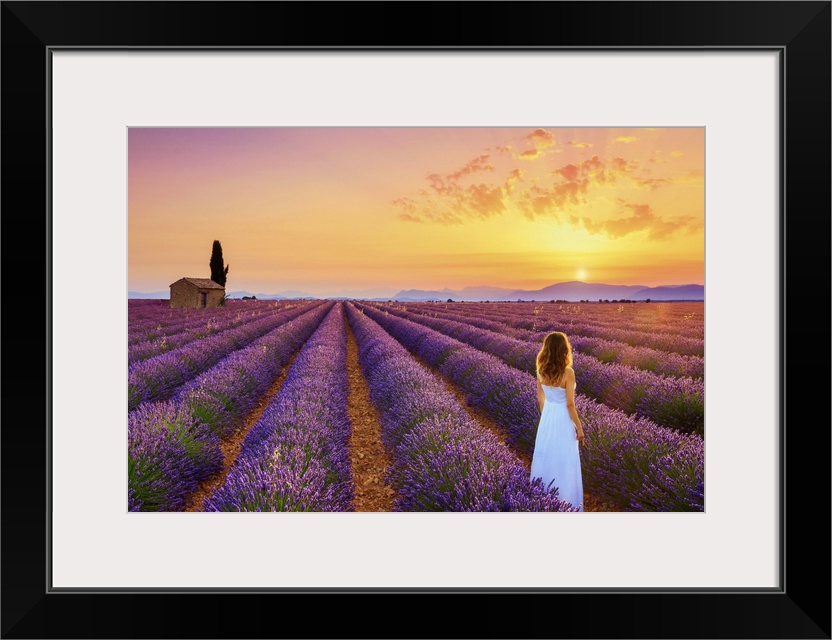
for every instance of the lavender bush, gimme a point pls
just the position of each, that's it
(168, 453)
(638, 464)
(296, 457)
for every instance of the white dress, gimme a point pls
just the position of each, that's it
(556, 456)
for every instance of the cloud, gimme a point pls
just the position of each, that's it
(408, 205)
(571, 183)
(641, 218)
(485, 201)
(512, 179)
(480, 163)
(676, 154)
(449, 183)
(440, 184)
(450, 202)
(528, 154)
(579, 145)
(410, 210)
(626, 139)
(542, 138)
(538, 140)
(666, 227)
(560, 196)
(651, 183)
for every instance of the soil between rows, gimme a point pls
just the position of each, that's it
(368, 456)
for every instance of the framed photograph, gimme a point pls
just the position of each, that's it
(79, 79)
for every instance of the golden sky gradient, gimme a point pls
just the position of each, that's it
(329, 211)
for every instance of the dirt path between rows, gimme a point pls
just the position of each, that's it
(231, 445)
(368, 457)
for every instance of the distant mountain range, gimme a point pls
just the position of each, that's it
(574, 291)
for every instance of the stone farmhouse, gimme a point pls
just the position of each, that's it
(198, 293)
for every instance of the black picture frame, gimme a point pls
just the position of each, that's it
(800, 608)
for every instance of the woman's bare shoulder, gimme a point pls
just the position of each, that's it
(569, 373)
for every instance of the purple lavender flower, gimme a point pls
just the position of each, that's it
(296, 457)
(168, 454)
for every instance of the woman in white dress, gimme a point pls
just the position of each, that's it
(560, 435)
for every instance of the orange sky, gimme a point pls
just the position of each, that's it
(334, 211)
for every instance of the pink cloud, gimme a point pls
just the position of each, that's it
(484, 200)
(407, 217)
(542, 138)
(539, 140)
(641, 218)
(479, 163)
(651, 183)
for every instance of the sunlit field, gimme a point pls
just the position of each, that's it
(249, 406)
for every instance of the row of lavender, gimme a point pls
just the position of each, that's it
(673, 402)
(676, 318)
(616, 329)
(140, 310)
(631, 461)
(174, 444)
(440, 459)
(296, 457)
(156, 377)
(180, 334)
(153, 322)
(613, 351)
(145, 316)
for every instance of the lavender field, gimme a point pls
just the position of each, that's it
(339, 406)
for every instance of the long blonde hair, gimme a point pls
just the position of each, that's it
(553, 358)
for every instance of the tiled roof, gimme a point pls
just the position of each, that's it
(202, 283)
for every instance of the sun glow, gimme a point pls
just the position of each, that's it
(581, 275)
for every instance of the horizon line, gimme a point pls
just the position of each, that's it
(507, 289)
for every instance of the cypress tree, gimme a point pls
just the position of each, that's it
(219, 273)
